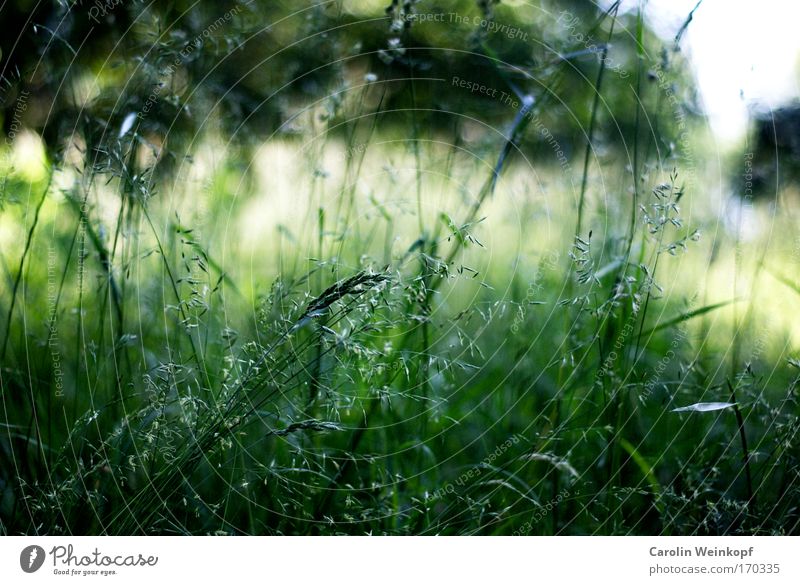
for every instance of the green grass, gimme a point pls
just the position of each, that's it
(374, 330)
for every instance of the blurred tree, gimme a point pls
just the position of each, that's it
(248, 68)
(772, 161)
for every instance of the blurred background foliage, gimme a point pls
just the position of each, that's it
(247, 70)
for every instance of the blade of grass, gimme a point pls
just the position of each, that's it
(688, 315)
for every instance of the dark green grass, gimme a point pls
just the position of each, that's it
(402, 371)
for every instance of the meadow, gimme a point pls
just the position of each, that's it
(367, 321)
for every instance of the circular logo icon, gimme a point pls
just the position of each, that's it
(31, 558)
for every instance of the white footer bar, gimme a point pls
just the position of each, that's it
(357, 560)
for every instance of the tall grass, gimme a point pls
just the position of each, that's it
(403, 350)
